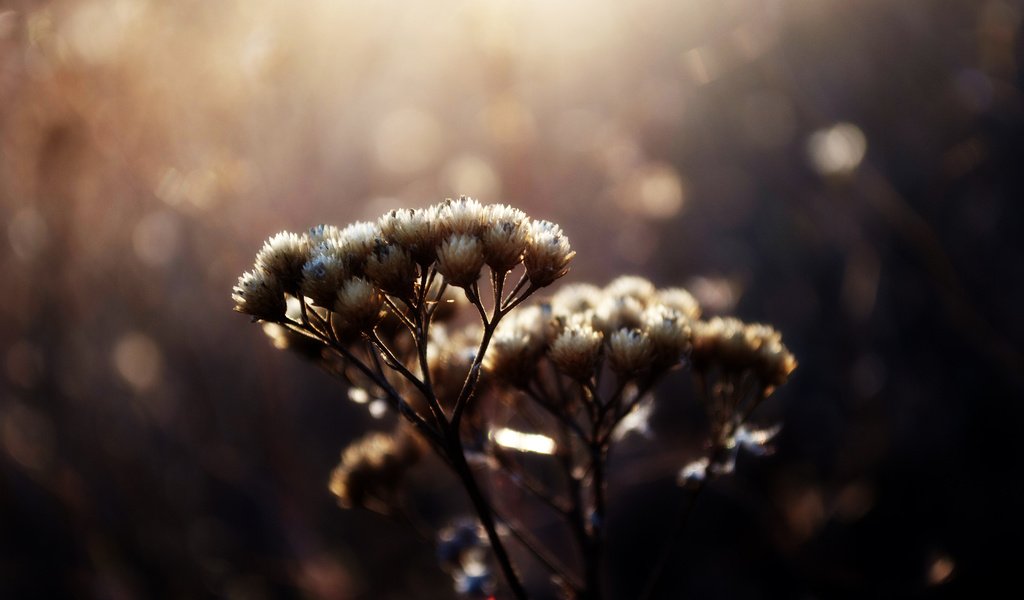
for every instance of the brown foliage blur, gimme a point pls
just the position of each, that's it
(847, 171)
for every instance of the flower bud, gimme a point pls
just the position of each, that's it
(631, 286)
(284, 255)
(322, 274)
(464, 216)
(629, 352)
(416, 230)
(577, 349)
(358, 305)
(259, 294)
(681, 301)
(669, 332)
(460, 259)
(391, 267)
(504, 237)
(547, 253)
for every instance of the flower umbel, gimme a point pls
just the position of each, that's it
(523, 383)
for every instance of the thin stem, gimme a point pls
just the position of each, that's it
(473, 294)
(484, 512)
(400, 314)
(396, 365)
(564, 419)
(515, 290)
(392, 394)
(537, 550)
(514, 303)
(641, 392)
(575, 517)
(596, 537)
(682, 518)
(472, 377)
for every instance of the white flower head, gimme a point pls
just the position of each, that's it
(548, 254)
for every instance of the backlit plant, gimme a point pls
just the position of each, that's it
(383, 305)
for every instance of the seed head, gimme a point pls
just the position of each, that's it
(259, 294)
(681, 301)
(358, 305)
(449, 359)
(547, 253)
(460, 259)
(391, 267)
(618, 312)
(669, 332)
(517, 345)
(322, 232)
(358, 241)
(629, 352)
(371, 469)
(464, 216)
(284, 255)
(575, 298)
(323, 273)
(736, 346)
(631, 286)
(577, 349)
(504, 236)
(416, 230)
(773, 361)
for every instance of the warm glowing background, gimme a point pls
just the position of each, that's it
(849, 171)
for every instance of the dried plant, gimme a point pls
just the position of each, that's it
(378, 304)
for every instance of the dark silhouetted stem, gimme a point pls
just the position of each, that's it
(484, 512)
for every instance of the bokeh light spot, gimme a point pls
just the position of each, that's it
(471, 175)
(138, 360)
(655, 191)
(940, 570)
(837, 150)
(156, 238)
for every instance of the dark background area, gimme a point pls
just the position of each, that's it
(849, 172)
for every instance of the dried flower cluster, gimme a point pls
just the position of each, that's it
(377, 304)
(372, 468)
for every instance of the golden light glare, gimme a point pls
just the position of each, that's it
(523, 442)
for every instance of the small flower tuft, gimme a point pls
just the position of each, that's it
(504, 237)
(323, 273)
(577, 350)
(418, 231)
(548, 254)
(669, 332)
(371, 469)
(358, 305)
(629, 352)
(259, 294)
(284, 255)
(464, 216)
(460, 259)
(391, 267)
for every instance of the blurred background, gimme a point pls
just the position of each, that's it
(843, 170)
